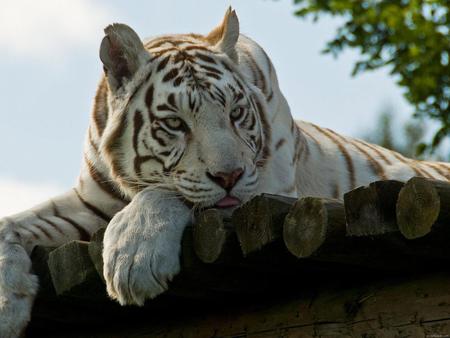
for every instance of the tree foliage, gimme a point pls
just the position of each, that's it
(412, 37)
(402, 137)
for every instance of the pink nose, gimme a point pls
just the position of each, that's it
(226, 180)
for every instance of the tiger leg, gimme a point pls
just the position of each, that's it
(52, 223)
(142, 245)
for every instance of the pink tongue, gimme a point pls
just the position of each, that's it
(227, 202)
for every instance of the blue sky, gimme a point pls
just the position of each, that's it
(50, 68)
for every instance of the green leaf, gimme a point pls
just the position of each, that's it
(411, 37)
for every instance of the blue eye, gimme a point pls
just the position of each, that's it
(237, 113)
(174, 123)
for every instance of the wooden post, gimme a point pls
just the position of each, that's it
(72, 271)
(39, 258)
(95, 249)
(315, 228)
(212, 239)
(423, 205)
(311, 222)
(260, 221)
(370, 210)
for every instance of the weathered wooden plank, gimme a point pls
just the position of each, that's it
(423, 206)
(73, 272)
(315, 229)
(312, 223)
(229, 278)
(39, 258)
(213, 241)
(95, 248)
(403, 307)
(260, 221)
(370, 210)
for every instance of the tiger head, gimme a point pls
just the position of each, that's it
(182, 117)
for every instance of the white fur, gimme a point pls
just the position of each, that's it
(142, 247)
(18, 286)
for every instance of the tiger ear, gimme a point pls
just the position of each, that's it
(225, 36)
(122, 52)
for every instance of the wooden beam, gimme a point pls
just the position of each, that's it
(312, 223)
(339, 306)
(213, 240)
(370, 210)
(315, 229)
(73, 272)
(423, 206)
(260, 221)
(95, 249)
(211, 260)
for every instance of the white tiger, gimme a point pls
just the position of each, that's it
(181, 122)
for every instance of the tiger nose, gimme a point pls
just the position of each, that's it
(226, 180)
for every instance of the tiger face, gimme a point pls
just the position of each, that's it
(183, 118)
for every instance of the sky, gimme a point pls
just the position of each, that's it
(50, 69)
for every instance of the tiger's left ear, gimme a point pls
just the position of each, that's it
(122, 53)
(225, 36)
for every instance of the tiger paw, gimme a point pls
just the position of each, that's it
(141, 251)
(17, 290)
(137, 269)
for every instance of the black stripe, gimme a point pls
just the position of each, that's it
(226, 66)
(45, 232)
(149, 101)
(100, 111)
(426, 173)
(84, 235)
(171, 100)
(165, 107)
(238, 82)
(316, 142)
(375, 166)
(210, 69)
(138, 123)
(178, 81)
(141, 159)
(348, 159)
(260, 79)
(194, 189)
(54, 225)
(35, 235)
(171, 74)
(102, 181)
(190, 180)
(163, 63)
(92, 208)
(377, 151)
(220, 94)
(438, 169)
(213, 75)
(160, 140)
(205, 58)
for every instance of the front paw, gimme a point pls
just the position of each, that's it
(139, 259)
(17, 290)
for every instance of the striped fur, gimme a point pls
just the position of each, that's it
(169, 116)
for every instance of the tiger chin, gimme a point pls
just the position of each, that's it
(181, 123)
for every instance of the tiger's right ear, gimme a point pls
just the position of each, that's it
(224, 37)
(122, 53)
